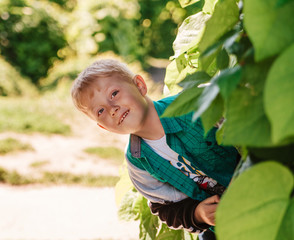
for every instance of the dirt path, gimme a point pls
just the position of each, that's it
(60, 153)
(60, 212)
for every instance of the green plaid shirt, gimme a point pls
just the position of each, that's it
(187, 139)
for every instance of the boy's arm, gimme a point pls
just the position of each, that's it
(182, 214)
(171, 205)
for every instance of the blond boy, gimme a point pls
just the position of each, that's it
(170, 162)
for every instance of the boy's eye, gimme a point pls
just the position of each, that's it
(100, 111)
(114, 94)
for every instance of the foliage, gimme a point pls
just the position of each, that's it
(265, 211)
(30, 37)
(135, 207)
(239, 66)
(37, 35)
(9, 145)
(138, 34)
(12, 83)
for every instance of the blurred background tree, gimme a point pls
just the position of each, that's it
(38, 38)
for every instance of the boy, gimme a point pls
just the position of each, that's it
(181, 172)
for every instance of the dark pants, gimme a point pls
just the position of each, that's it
(207, 235)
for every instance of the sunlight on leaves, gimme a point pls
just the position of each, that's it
(256, 204)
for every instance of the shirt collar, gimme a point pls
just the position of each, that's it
(170, 125)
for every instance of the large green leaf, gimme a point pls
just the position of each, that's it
(189, 33)
(176, 71)
(246, 122)
(213, 114)
(257, 205)
(209, 6)
(206, 98)
(194, 79)
(287, 231)
(210, 54)
(148, 222)
(269, 27)
(185, 3)
(279, 96)
(225, 16)
(184, 103)
(229, 80)
(232, 76)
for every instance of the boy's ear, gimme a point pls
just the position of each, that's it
(141, 85)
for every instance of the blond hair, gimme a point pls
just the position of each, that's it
(101, 68)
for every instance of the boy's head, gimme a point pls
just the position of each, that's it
(110, 94)
(88, 77)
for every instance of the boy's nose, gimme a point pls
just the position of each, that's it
(113, 110)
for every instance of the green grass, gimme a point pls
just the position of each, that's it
(30, 115)
(38, 164)
(114, 154)
(84, 180)
(58, 178)
(9, 145)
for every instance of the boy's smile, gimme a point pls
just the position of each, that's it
(116, 104)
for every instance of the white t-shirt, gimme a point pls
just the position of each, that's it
(162, 149)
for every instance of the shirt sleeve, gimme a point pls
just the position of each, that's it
(179, 215)
(151, 188)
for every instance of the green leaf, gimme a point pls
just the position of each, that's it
(287, 231)
(209, 6)
(194, 79)
(123, 186)
(208, 95)
(210, 92)
(126, 209)
(280, 3)
(228, 80)
(226, 41)
(213, 114)
(220, 134)
(148, 222)
(184, 103)
(279, 96)
(246, 122)
(225, 16)
(223, 59)
(167, 234)
(176, 71)
(257, 205)
(270, 28)
(185, 3)
(189, 33)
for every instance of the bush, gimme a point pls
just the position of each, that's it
(30, 37)
(13, 84)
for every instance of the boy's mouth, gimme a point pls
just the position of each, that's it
(123, 117)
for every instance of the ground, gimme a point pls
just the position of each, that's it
(63, 212)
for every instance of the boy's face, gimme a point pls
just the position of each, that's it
(118, 105)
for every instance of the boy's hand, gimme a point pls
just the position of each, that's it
(205, 211)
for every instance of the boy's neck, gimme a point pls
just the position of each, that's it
(152, 128)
